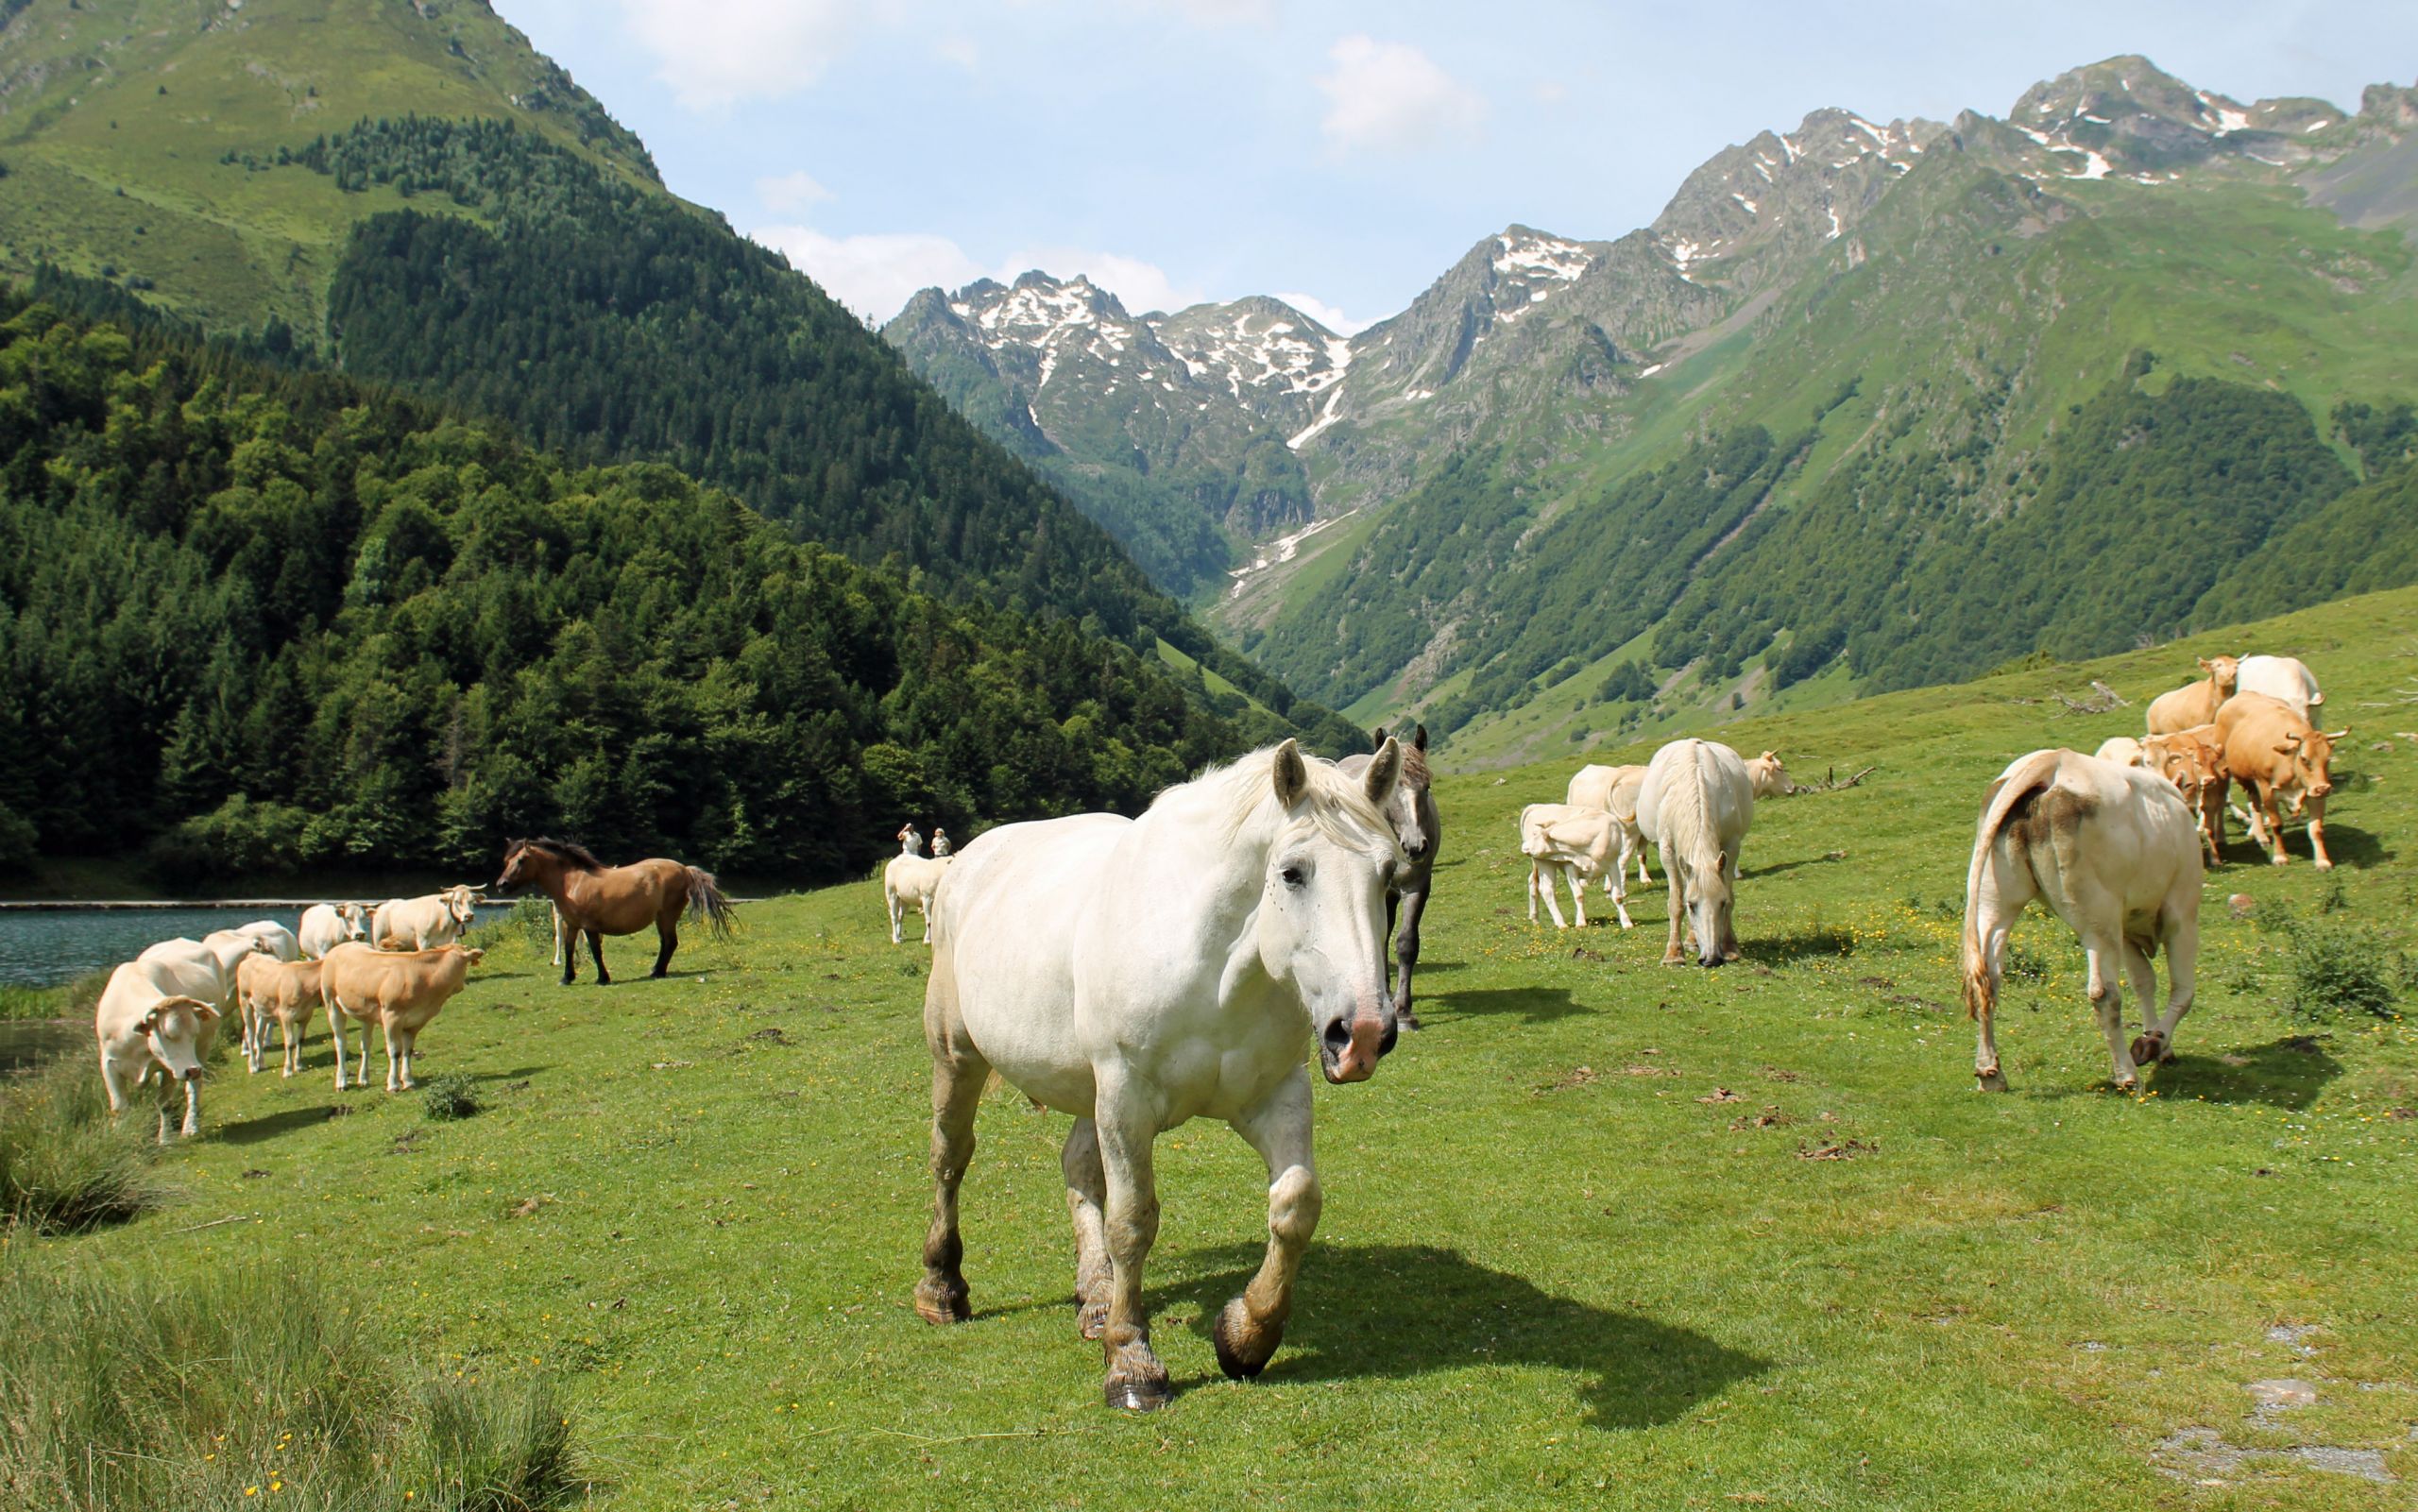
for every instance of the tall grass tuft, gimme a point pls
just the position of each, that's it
(2339, 967)
(208, 1387)
(449, 1095)
(63, 1165)
(68, 1001)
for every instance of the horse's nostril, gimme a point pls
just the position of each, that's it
(1385, 1041)
(1338, 1034)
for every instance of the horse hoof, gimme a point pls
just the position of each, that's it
(1993, 1079)
(1408, 1021)
(1242, 1351)
(2324, 866)
(943, 1302)
(1140, 1395)
(2146, 1048)
(2128, 1083)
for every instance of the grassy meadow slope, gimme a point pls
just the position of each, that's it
(1651, 1237)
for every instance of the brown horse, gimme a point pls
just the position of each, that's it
(597, 900)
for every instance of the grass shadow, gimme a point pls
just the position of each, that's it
(1391, 1312)
(516, 1074)
(1798, 944)
(2348, 844)
(2287, 1072)
(1538, 1005)
(1828, 859)
(253, 1130)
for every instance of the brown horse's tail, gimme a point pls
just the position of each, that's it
(706, 902)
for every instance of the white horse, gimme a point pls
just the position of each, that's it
(2113, 852)
(912, 880)
(1140, 973)
(1697, 805)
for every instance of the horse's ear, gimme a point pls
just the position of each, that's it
(1385, 769)
(1377, 738)
(1291, 777)
(1419, 737)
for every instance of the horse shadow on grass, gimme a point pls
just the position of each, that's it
(1829, 858)
(1800, 943)
(1391, 1312)
(1538, 1005)
(2287, 1072)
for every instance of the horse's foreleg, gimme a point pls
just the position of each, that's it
(1729, 950)
(1251, 1325)
(596, 949)
(566, 947)
(1406, 954)
(667, 936)
(561, 936)
(1136, 1380)
(1675, 952)
(1087, 1200)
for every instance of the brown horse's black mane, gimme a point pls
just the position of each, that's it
(570, 853)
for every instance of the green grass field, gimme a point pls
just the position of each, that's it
(1605, 1232)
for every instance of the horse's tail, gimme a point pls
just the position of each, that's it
(2026, 777)
(708, 903)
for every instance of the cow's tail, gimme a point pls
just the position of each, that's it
(2025, 778)
(708, 903)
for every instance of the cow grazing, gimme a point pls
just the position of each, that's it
(1614, 789)
(203, 968)
(2195, 702)
(2112, 852)
(399, 991)
(425, 922)
(2122, 750)
(2195, 762)
(143, 1022)
(1769, 777)
(2274, 752)
(912, 880)
(1573, 842)
(326, 925)
(284, 993)
(2285, 679)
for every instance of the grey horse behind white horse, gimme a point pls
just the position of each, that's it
(1139, 973)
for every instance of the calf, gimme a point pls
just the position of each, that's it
(2122, 750)
(399, 991)
(2110, 850)
(2274, 752)
(141, 1024)
(326, 925)
(2195, 762)
(912, 880)
(280, 992)
(2195, 702)
(1574, 843)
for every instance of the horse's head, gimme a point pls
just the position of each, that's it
(1708, 905)
(1402, 810)
(1322, 922)
(172, 1033)
(517, 871)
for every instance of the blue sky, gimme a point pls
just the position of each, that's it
(1339, 154)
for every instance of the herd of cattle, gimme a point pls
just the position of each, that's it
(392, 967)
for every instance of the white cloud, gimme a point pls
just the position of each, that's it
(717, 53)
(874, 274)
(1390, 96)
(1326, 314)
(959, 49)
(790, 194)
(1550, 91)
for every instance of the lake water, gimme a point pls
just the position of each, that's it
(40, 947)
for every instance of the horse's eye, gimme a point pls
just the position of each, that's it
(1292, 875)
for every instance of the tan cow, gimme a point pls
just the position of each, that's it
(284, 993)
(1615, 790)
(399, 991)
(144, 1021)
(2274, 753)
(2122, 750)
(425, 922)
(2109, 850)
(2195, 702)
(1574, 842)
(2194, 761)
(912, 880)
(1769, 777)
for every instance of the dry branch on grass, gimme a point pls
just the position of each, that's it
(1833, 782)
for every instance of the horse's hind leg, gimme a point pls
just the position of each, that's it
(1250, 1326)
(958, 1072)
(667, 936)
(1087, 1200)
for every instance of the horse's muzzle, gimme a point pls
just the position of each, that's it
(1349, 1050)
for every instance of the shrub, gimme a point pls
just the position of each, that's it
(2339, 968)
(238, 1385)
(450, 1096)
(64, 1166)
(238, 839)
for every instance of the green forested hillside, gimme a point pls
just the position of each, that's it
(261, 621)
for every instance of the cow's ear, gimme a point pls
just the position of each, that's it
(149, 1022)
(2288, 746)
(2204, 663)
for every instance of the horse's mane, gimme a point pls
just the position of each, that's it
(569, 852)
(1687, 813)
(1233, 795)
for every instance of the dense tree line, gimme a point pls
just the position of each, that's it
(257, 618)
(601, 316)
